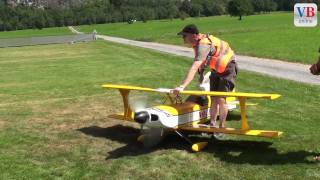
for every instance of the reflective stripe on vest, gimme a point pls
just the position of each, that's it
(222, 56)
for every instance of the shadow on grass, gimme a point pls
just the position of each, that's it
(234, 116)
(122, 134)
(255, 153)
(232, 151)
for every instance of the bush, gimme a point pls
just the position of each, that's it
(240, 8)
(183, 15)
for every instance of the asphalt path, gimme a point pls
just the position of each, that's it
(276, 68)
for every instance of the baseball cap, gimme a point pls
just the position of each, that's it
(190, 28)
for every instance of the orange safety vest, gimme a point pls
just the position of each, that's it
(222, 56)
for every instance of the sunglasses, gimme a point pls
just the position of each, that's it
(184, 36)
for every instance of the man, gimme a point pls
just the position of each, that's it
(219, 57)
(315, 70)
(94, 35)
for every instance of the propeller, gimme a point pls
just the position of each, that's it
(138, 102)
(152, 136)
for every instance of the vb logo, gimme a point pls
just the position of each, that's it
(305, 14)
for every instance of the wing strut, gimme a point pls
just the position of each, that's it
(125, 97)
(244, 121)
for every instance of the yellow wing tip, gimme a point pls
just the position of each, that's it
(108, 85)
(275, 96)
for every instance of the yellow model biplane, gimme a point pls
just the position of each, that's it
(189, 115)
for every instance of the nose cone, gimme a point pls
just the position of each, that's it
(141, 117)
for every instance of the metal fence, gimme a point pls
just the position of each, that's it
(29, 41)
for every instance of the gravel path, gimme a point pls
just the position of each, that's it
(286, 70)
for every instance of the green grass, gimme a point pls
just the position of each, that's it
(268, 35)
(35, 32)
(54, 125)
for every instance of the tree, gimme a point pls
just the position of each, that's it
(146, 14)
(218, 9)
(214, 7)
(116, 16)
(269, 5)
(4, 2)
(196, 10)
(240, 8)
(173, 10)
(258, 5)
(57, 15)
(53, 13)
(1, 25)
(183, 15)
(40, 21)
(186, 7)
(285, 5)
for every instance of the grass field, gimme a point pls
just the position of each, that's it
(268, 35)
(54, 125)
(35, 32)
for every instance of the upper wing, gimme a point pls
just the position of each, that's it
(125, 87)
(199, 93)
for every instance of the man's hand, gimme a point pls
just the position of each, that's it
(315, 68)
(177, 90)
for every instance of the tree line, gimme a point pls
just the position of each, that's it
(57, 13)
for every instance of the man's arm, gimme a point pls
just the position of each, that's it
(189, 77)
(201, 54)
(192, 71)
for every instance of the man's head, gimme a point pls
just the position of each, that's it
(190, 34)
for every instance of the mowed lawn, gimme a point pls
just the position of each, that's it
(268, 35)
(35, 32)
(54, 124)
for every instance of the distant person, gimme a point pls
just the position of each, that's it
(315, 70)
(94, 35)
(219, 57)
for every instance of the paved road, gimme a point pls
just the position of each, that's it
(286, 70)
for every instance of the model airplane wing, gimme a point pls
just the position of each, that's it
(244, 129)
(199, 93)
(248, 132)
